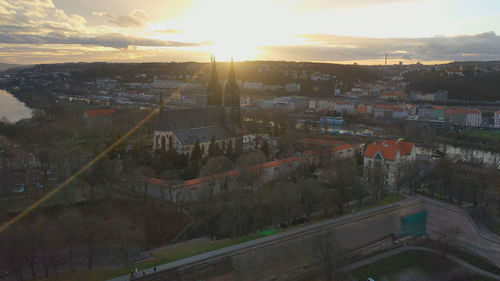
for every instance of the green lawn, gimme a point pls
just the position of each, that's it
(474, 260)
(415, 265)
(203, 246)
(486, 134)
(388, 199)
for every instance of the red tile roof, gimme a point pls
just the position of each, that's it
(154, 181)
(214, 177)
(389, 149)
(280, 162)
(463, 111)
(468, 111)
(101, 112)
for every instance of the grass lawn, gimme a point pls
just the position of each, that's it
(474, 260)
(414, 265)
(388, 199)
(486, 134)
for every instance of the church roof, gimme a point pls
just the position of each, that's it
(189, 118)
(190, 136)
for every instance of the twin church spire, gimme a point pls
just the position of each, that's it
(214, 90)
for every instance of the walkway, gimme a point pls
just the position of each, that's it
(393, 252)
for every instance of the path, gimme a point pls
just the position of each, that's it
(393, 252)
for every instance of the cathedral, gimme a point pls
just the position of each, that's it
(181, 129)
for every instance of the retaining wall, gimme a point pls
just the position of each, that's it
(293, 252)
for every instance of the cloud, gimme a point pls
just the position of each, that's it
(40, 22)
(134, 18)
(170, 31)
(113, 40)
(307, 5)
(325, 47)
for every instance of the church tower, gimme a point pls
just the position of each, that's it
(214, 90)
(232, 99)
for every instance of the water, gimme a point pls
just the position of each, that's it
(464, 154)
(12, 109)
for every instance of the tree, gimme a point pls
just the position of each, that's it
(251, 168)
(72, 224)
(310, 195)
(329, 253)
(447, 238)
(443, 172)
(213, 149)
(265, 147)
(196, 155)
(376, 181)
(94, 233)
(11, 251)
(214, 166)
(129, 241)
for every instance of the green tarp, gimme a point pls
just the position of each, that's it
(414, 225)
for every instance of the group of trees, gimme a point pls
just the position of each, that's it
(50, 240)
(296, 196)
(45, 244)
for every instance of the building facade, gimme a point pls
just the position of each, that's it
(387, 155)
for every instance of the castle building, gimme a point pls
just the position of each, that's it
(220, 120)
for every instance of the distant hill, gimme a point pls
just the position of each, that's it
(480, 87)
(5, 66)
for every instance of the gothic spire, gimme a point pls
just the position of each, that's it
(214, 91)
(231, 93)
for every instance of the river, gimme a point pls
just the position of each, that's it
(12, 109)
(464, 154)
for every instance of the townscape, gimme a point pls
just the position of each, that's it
(220, 168)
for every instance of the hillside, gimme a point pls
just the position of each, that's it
(473, 87)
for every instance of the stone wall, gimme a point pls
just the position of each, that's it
(445, 218)
(293, 252)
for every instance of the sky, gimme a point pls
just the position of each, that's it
(343, 31)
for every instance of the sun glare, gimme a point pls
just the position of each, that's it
(238, 29)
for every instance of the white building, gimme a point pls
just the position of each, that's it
(292, 87)
(497, 119)
(253, 85)
(387, 155)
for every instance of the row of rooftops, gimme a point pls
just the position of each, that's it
(236, 172)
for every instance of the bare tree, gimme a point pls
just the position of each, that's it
(251, 168)
(329, 254)
(447, 238)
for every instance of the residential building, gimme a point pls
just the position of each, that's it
(399, 112)
(344, 107)
(424, 111)
(292, 88)
(464, 117)
(441, 96)
(437, 113)
(383, 111)
(497, 119)
(387, 155)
